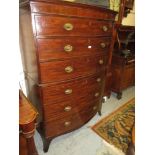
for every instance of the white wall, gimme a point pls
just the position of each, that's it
(22, 77)
(130, 19)
(22, 83)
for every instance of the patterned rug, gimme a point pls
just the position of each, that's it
(116, 128)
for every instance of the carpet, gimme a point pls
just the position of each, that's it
(116, 128)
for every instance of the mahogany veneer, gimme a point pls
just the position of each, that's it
(67, 48)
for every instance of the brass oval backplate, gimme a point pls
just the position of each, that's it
(68, 26)
(96, 94)
(95, 107)
(105, 28)
(69, 69)
(67, 124)
(68, 108)
(103, 45)
(98, 79)
(68, 48)
(101, 62)
(68, 91)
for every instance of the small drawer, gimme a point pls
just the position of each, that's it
(68, 123)
(67, 47)
(86, 87)
(50, 25)
(68, 69)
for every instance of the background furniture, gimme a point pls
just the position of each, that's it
(66, 50)
(124, 8)
(123, 60)
(27, 124)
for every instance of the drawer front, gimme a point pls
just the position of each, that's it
(66, 47)
(63, 109)
(72, 10)
(58, 127)
(71, 68)
(68, 92)
(62, 26)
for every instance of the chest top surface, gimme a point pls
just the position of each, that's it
(83, 4)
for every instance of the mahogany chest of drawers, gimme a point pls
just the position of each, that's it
(66, 48)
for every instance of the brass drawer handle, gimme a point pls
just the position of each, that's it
(105, 28)
(67, 124)
(101, 62)
(95, 107)
(98, 79)
(68, 26)
(103, 45)
(69, 69)
(68, 48)
(96, 94)
(68, 108)
(68, 91)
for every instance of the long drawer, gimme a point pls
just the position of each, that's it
(53, 71)
(55, 128)
(68, 92)
(50, 25)
(67, 47)
(63, 109)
